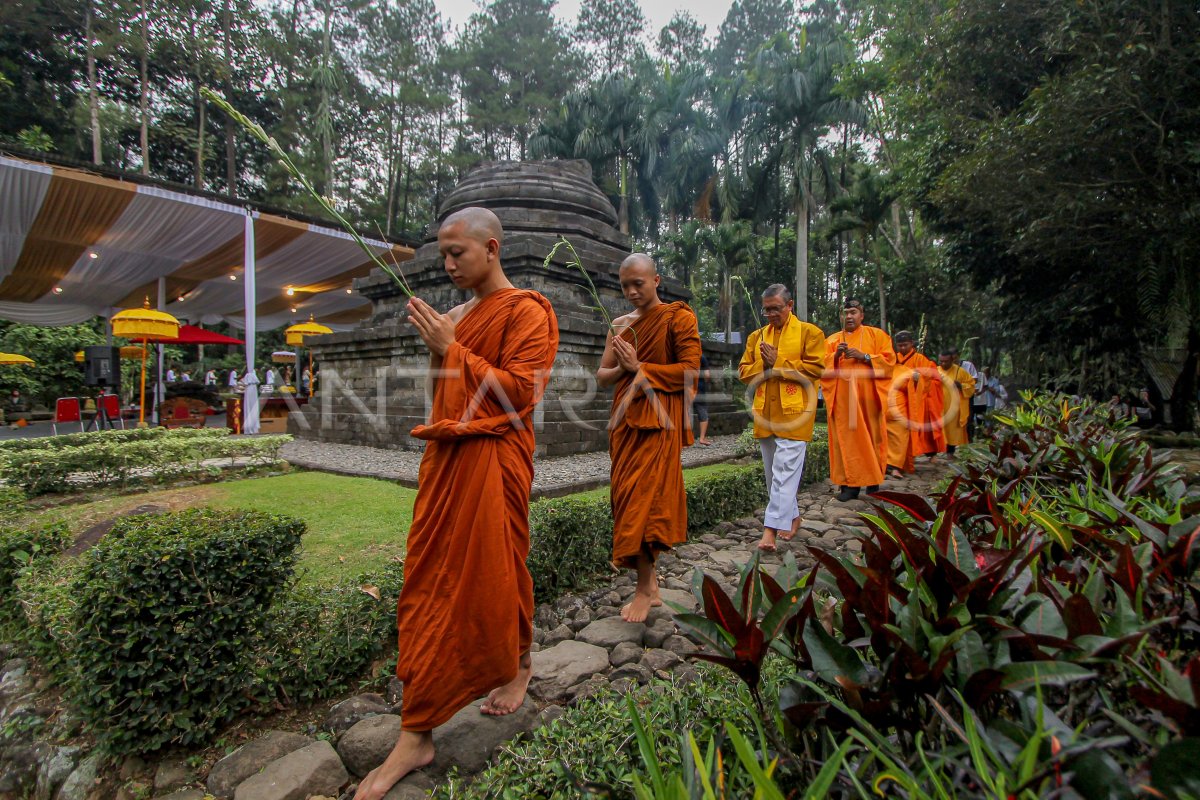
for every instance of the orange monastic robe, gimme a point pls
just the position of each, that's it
(914, 411)
(957, 403)
(648, 429)
(466, 610)
(855, 398)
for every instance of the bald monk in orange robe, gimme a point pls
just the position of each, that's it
(914, 422)
(465, 614)
(654, 361)
(958, 387)
(858, 372)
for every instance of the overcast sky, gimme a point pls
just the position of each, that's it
(709, 13)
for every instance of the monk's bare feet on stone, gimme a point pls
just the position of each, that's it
(791, 534)
(413, 751)
(767, 543)
(508, 698)
(637, 609)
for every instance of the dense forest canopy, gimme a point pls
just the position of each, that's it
(1020, 179)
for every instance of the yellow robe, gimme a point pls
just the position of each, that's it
(856, 396)
(957, 403)
(785, 398)
(914, 411)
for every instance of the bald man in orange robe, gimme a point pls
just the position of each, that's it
(858, 371)
(465, 614)
(654, 361)
(914, 408)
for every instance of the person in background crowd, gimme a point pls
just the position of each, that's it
(210, 378)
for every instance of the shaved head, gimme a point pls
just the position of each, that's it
(640, 260)
(479, 223)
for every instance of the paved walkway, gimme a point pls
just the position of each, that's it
(552, 477)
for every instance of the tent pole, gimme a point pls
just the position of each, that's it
(250, 298)
(160, 391)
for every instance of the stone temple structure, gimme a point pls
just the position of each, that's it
(372, 388)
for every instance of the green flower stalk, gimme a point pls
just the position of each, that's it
(749, 299)
(256, 130)
(578, 264)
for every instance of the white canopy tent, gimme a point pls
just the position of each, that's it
(75, 244)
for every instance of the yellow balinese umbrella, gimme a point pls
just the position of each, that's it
(295, 335)
(15, 360)
(283, 357)
(147, 325)
(128, 351)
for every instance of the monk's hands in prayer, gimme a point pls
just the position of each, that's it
(626, 354)
(769, 354)
(436, 329)
(854, 353)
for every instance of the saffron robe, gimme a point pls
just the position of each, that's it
(785, 397)
(855, 399)
(957, 403)
(465, 613)
(649, 425)
(914, 422)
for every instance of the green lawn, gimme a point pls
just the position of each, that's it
(354, 524)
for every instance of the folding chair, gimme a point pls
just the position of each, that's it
(110, 404)
(67, 409)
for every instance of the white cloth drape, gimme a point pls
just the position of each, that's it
(250, 409)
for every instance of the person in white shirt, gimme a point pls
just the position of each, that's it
(210, 378)
(170, 374)
(233, 378)
(978, 407)
(270, 376)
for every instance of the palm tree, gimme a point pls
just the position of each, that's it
(797, 92)
(861, 211)
(731, 245)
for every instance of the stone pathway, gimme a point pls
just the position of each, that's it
(581, 646)
(552, 477)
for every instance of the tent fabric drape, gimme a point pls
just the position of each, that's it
(74, 244)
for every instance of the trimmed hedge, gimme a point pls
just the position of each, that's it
(20, 549)
(102, 459)
(65, 440)
(571, 538)
(318, 640)
(171, 609)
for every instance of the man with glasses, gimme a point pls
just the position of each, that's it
(859, 362)
(782, 363)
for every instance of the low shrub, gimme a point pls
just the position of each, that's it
(20, 548)
(12, 504)
(319, 639)
(170, 611)
(1032, 626)
(590, 750)
(67, 440)
(108, 460)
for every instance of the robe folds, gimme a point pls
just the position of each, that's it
(465, 613)
(785, 397)
(855, 399)
(648, 428)
(914, 421)
(957, 403)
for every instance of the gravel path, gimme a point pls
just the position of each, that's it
(551, 476)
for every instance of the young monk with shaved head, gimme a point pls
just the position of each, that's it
(465, 614)
(653, 357)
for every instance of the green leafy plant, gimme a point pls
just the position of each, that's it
(171, 609)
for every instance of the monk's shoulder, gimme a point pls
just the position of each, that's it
(626, 319)
(460, 310)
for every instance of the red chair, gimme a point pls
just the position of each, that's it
(66, 409)
(110, 404)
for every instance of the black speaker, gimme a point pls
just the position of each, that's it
(102, 367)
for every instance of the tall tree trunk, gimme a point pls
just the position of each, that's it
(144, 88)
(883, 318)
(230, 150)
(93, 86)
(801, 251)
(326, 102)
(201, 109)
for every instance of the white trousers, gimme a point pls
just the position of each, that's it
(783, 462)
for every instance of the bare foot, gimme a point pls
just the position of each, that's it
(767, 543)
(413, 750)
(637, 609)
(655, 595)
(508, 698)
(791, 534)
